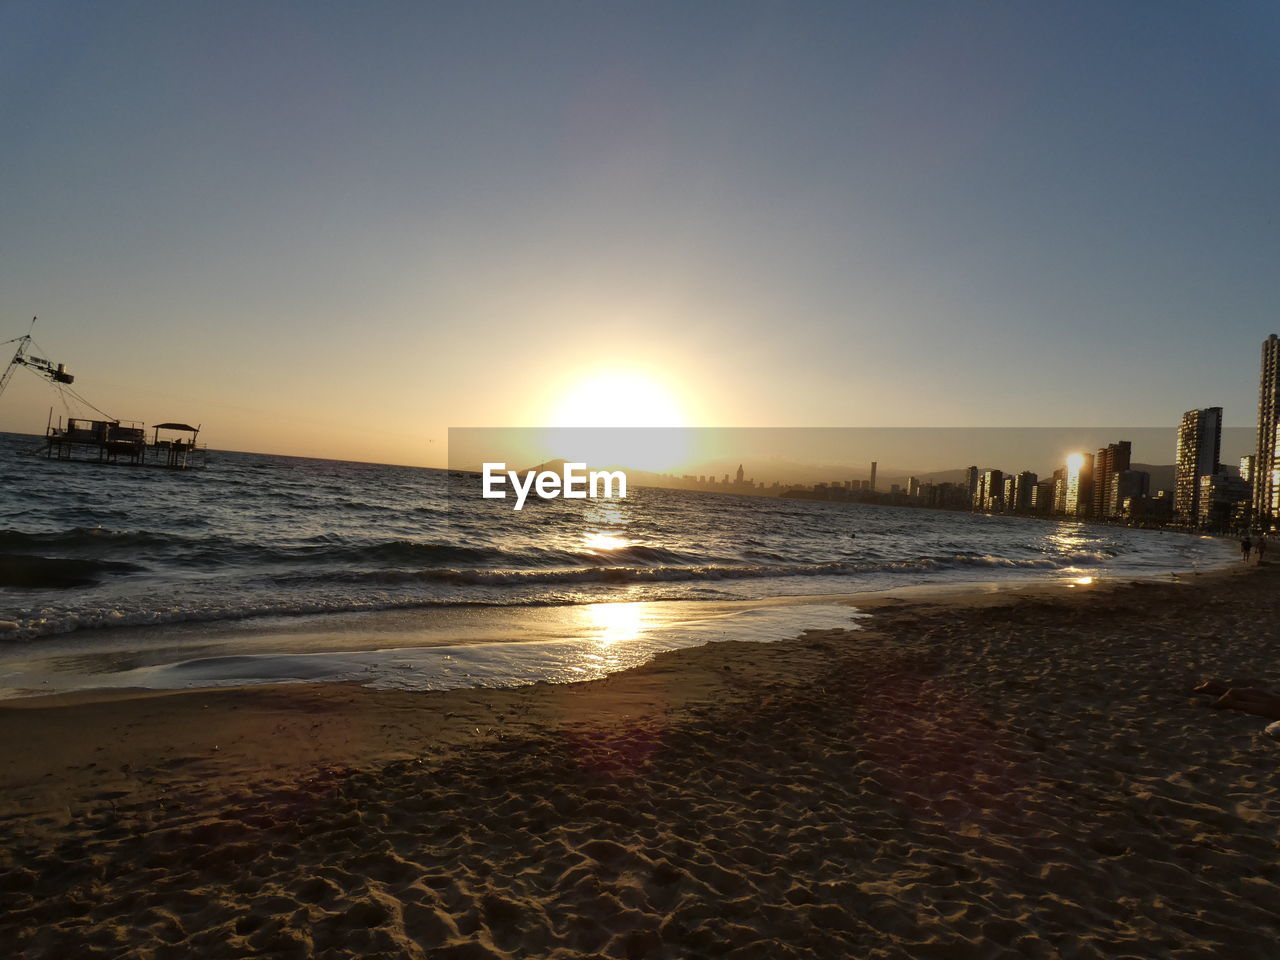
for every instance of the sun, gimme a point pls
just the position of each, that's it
(620, 417)
(618, 398)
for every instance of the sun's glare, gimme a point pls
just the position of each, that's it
(618, 398)
(617, 622)
(604, 541)
(620, 418)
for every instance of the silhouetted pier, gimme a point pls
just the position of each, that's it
(125, 441)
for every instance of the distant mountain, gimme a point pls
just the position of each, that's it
(554, 466)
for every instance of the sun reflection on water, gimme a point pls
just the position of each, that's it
(1067, 538)
(604, 541)
(606, 521)
(617, 622)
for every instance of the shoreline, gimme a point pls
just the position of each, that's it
(448, 647)
(1017, 767)
(134, 704)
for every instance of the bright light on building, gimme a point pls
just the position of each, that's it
(1077, 495)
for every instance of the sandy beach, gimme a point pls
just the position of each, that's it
(1019, 774)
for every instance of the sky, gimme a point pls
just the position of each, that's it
(340, 229)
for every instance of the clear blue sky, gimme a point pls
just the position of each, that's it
(339, 229)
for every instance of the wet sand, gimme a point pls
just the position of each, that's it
(1017, 774)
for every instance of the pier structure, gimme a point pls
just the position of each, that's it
(125, 441)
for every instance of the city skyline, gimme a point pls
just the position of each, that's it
(338, 231)
(793, 455)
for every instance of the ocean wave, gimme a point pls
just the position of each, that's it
(304, 593)
(50, 623)
(328, 548)
(350, 543)
(73, 538)
(400, 552)
(621, 573)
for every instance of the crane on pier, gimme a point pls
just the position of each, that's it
(22, 357)
(108, 438)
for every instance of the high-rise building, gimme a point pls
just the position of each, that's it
(1218, 497)
(1042, 497)
(1266, 477)
(971, 481)
(1079, 491)
(872, 485)
(1107, 463)
(1199, 446)
(1019, 491)
(990, 496)
(1246, 468)
(1060, 490)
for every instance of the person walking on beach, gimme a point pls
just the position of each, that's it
(1262, 547)
(1245, 546)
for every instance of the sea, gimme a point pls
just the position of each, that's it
(255, 546)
